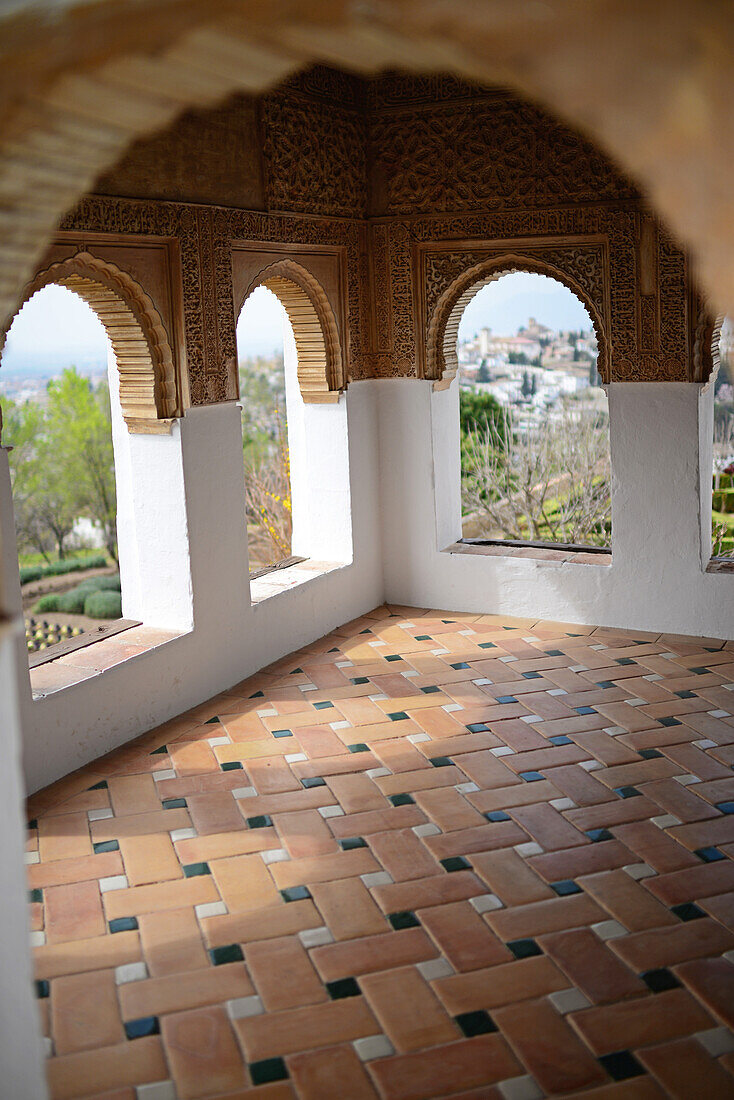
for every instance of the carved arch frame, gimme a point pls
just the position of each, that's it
(321, 375)
(149, 396)
(442, 329)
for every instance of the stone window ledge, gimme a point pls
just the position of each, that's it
(547, 555)
(279, 581)
(83, 664)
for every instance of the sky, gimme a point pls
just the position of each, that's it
(56, 329)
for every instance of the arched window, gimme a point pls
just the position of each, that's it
(722, 503)
(294, 429)
(535, 464)
(58, 423)
(265, 445)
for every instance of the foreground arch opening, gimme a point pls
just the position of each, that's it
(534, 419)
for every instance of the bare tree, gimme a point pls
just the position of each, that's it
(547, 481)
(268, 497)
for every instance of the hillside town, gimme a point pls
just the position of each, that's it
(535, 370)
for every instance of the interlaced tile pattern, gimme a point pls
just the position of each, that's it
(430, 855)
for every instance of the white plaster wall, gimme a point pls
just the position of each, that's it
(660, 442)
(230, 639)
(318, 442)
(152, 527)
(20, 1035)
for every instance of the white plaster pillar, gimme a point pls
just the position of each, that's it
(211, 443)
(20, 1033)
(656, 481)
(152, 529)
(318, 442)
(706, 464)
(446, 464)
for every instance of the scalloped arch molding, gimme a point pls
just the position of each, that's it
(148, 391)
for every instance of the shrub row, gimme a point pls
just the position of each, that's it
(97, 597)
(30, 573)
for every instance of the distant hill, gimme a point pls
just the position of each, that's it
(33, 364)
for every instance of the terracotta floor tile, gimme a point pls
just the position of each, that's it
(591, 966)
(654, 847)
(317, 741)
(546, 825)
(133, 794)
(684, 1069)
(502, 984)
(330, 1074)
(280, 1033)
(115, 828)
(675, 944)
(74, 1075)
(260, 924)
(301, 872)
(171, 942)
(509, 877)
(82, 956)
(448, 809)
(243, 882)
(202, 1052)
(641, 1022)
(482, 838)
(426, 1074)
(573, 862)
(712, 982)
(271, 775)
(609, 814)
(357, 793)
(73, 912)
(201, 849)
(462, 936)
(305, 834)
(149, 859)
(65, 837)
(217, 812)
(160, 896)
(192, 758)
(348, 909)
(407, 1009)
(700, 881)
(486, 770)
(421, 893)
(377, 821)
(422, 780)
(364, 956)
(543, 917)
(84, 1012)
(283, 974)
(192, 989)
(61, 872)
(627, 900)
(560, 1062)
(519, 794)
(402, 854)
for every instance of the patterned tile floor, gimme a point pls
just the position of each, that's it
(430, 855)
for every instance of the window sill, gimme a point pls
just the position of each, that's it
(720, 565)
(566, 555)
(84, 663)
(278, 581)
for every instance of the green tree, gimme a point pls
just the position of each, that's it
(483, 374)
(78, 438)
(477, 409)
